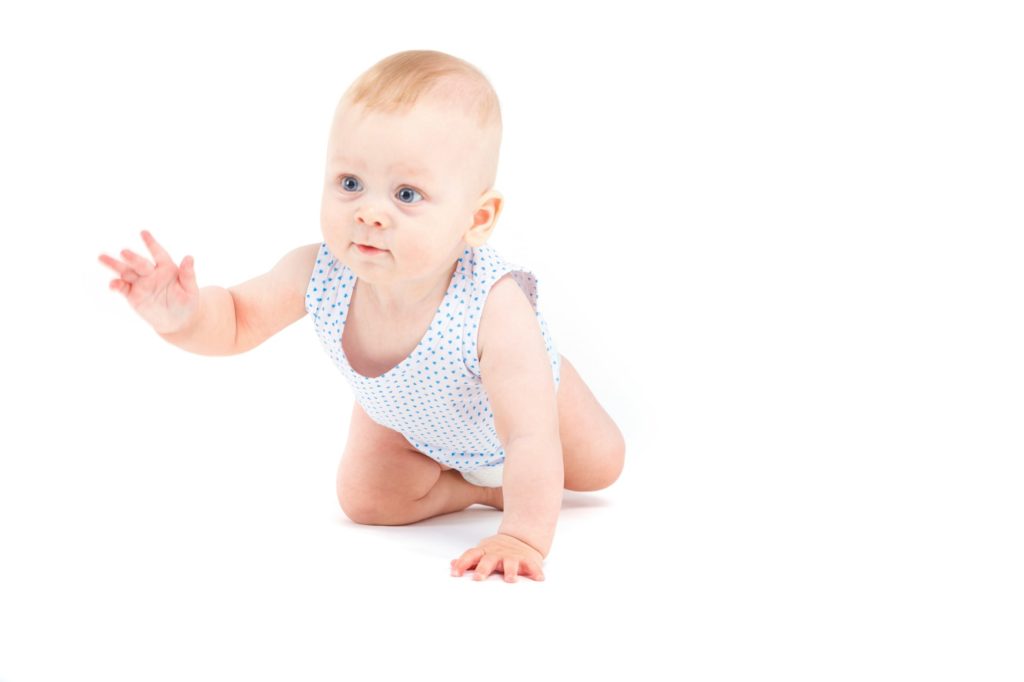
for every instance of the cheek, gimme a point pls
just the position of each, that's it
(326, 209)
(333, 215)
(414, 250)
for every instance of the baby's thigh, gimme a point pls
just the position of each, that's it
(379, 467)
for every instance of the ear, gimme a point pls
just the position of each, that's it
(485, 217)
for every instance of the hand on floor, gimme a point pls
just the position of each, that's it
(514, 557)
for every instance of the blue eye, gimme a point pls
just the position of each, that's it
(404, 192)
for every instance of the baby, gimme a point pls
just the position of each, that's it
(461, 398)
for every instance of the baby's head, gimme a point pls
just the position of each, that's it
(411, 162)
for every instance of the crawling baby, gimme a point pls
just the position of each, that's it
(460, 395)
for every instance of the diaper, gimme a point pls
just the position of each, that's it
(487, 477)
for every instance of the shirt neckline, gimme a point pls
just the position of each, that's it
(409, 358)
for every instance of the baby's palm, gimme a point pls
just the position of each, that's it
(163, 294)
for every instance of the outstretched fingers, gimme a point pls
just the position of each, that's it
(136, 266)
(114, 264)
(128, 275)
(138, 263)
(187, 275)
(159, 254)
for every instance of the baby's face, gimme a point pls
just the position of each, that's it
(408, 183)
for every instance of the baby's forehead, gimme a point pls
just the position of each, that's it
(453, 142)
(423, 112)
(443, 124)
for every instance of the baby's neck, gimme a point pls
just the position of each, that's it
(406, 299)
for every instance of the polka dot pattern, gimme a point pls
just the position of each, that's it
(435, 396)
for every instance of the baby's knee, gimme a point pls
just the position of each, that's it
(363, 514)
(602, 470)
(370, 509)
(355, 505)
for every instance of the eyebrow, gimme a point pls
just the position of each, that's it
(409, 169)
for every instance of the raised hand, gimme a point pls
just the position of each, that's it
(163, 294)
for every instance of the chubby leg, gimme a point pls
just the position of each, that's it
(593, 449)
(382, 480)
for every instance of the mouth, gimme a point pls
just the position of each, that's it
(369, 250)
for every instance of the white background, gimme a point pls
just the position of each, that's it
(780, 241)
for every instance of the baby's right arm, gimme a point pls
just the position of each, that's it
(213, 320)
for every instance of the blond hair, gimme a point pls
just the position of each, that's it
(397, 82)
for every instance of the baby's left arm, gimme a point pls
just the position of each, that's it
(516, 373)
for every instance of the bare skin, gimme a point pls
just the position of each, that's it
(417, 225)
(384, 480)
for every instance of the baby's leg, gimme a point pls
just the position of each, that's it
(382, 480)
(593, 448)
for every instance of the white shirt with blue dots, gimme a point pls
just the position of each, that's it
(435, 396)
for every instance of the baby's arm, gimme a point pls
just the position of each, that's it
(517, 377)
(213, 320)
(265, 305)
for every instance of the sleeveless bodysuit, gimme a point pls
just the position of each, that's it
(435, 396)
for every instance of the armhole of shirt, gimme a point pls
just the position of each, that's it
(526, 280)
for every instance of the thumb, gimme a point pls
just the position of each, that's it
(187, 275)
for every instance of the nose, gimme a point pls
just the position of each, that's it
(369, 216)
